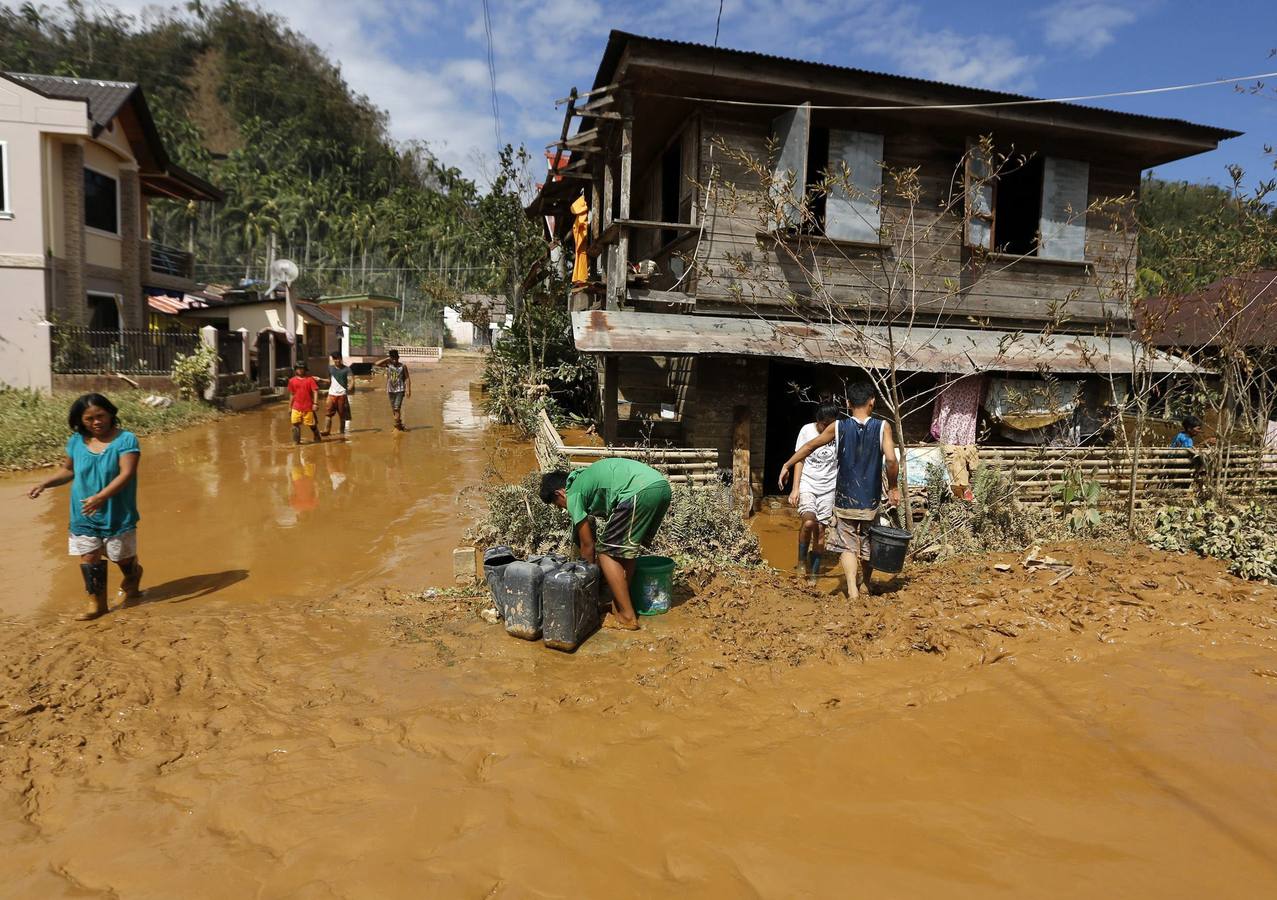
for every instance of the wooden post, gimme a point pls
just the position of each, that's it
(622, 258)
(742, 490)
(611, 371)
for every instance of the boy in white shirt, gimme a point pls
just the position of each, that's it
(815, 479)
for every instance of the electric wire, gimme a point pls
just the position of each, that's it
(492, 75)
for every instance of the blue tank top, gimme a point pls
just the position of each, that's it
(859, 464)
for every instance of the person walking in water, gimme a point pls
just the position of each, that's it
(631, 499)
(340, 384)
(815, 479)
(398, 384)
(101, 465)
(304, 390)
(862, 443)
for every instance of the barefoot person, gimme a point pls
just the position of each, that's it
(862, 443)
(340, 381)
(631, 499)
(398, 384)
(814, 481)
(101, 464)
(305, 400)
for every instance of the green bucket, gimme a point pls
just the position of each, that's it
(653, 588)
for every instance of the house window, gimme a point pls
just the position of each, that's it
(1017, 207)
(101, 202)
(1032, 208)
(807, 156)
(5, 211)
(104, 312)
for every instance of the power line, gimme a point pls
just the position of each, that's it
(492, 75)
(1026, 101)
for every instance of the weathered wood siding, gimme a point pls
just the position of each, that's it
(741, 269)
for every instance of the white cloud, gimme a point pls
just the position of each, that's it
(1087, 27)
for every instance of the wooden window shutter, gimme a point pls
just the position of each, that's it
(1065, 184)
(855, 215)
(978, 198)
(691, 150)
(791, 131)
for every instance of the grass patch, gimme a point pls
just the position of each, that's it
(35, 424)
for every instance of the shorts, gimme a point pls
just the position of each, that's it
(849, 536)
(122, 546)
(961, 460)
(634, 522)
(396, 400)
(339, 405)
(819, 505)
(298, 417)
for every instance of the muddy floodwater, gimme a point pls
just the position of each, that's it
(291, 716)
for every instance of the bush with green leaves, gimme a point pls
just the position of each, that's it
(192, 373)
(1245, 537)
(702, 531)
(1080, 498)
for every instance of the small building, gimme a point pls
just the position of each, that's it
(715, 324)
(80, 160)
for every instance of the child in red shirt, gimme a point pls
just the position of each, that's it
(305, 392)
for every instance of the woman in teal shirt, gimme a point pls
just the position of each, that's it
(101, 464)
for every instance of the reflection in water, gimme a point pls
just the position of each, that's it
(239, 490)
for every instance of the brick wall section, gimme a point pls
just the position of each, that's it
(69, 303)
(133, 305)
(722, 383)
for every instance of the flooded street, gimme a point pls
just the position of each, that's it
(290, 716)
(238, 512)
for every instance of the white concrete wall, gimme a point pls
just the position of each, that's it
(462, 332)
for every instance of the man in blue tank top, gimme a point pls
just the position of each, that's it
(865, 449)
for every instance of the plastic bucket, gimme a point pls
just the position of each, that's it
(887, 548)
(653, 588)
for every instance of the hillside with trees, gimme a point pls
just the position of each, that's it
(308, 166)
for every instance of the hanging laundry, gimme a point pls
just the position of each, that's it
(580, 236)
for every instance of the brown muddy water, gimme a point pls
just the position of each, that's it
(317, 727)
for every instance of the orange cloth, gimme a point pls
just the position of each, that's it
(580, 232)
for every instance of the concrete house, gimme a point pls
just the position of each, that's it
(694, 309)
(80, 159)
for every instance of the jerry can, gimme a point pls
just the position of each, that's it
(570, 605)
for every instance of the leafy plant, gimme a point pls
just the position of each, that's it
(192, 373)
(1080, 497)
(1245, 536)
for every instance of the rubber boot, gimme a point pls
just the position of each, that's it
(95, 585)
(131, 586)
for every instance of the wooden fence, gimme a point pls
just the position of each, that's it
(682, 465)
(1037, 472)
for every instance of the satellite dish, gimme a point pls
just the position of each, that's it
(284, 270)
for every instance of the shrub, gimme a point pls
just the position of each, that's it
(1245, 537)
(192, 372)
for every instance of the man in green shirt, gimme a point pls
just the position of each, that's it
(631, 499)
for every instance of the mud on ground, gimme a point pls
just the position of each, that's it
(971, 733)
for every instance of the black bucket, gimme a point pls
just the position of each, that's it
(887, 548)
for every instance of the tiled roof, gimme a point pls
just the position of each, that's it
(105, 98)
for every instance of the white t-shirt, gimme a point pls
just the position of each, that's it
(820, 470)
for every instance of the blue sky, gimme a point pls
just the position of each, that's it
(425, 63)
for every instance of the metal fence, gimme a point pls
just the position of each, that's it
(80, 351)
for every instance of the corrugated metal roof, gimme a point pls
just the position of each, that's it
(314, 311)
(618, 39)
(920, 349)
(1236, 310)
(105, 99)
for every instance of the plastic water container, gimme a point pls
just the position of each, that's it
(570, 605)
(519, 600)
(495, 560)
(652, 590)
(548, 562)
(887, 548)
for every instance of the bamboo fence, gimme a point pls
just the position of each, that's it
(682, 465)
